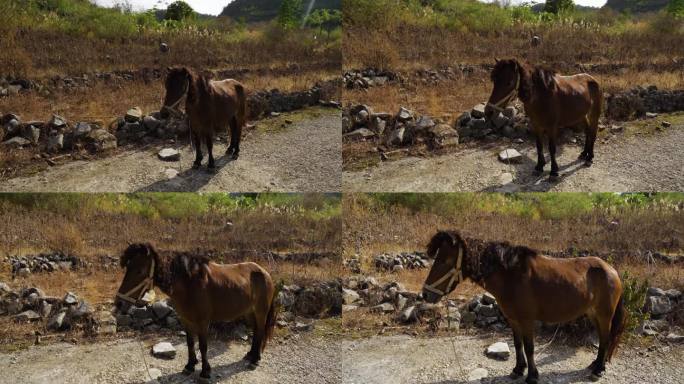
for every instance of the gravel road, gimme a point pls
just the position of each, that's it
(304, 157)
(624, 164)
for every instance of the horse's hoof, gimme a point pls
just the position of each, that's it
(588, 163)
(531, 380)
(595, 377)
(553, 178)
(187, 371)
(248, 356)
(252, 366)
(203, 380)
(516, 374)
(196, 165)
(235, 155)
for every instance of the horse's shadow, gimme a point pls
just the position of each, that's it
(525, 179)
(189, 180)
(218, 373)
(567, 377)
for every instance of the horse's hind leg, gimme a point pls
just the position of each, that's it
(192, 357)
(539, 169)
(235, 135)
(198, 150)
(520, 363)
(598, 366)
(254, 354)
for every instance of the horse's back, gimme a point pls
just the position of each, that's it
(227, 87)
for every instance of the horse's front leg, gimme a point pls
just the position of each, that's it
(528, 342)
(539, 169)
(198, 150)
(205, 375)
(552, 151)
(192, 357)
(210, 150)
(520, 363)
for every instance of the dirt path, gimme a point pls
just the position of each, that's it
(304, 157)
(301, 359)
(624, 164)
(403, 359)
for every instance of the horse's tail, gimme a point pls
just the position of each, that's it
(617, 326)
(271, 317)
(596, 103)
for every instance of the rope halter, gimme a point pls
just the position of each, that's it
(173, 107)
(144, 286)
(455, 275)
(499, 106)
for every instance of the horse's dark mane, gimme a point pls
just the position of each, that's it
(482, 258)
(534, 79)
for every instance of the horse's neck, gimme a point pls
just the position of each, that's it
(163, 278)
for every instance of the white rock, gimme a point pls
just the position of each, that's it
(169, 154)
(171, 173)
(350, 296)
(510, 155)
(164, 350)
(477, 374)
(498, 351)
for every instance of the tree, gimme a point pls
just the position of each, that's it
(676, 8)
(290, 13)
(559, 6)
(327, 19)
(179, 11)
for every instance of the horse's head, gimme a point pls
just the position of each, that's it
(177, 83)
(139, 260)
(506, 78)
(448, 249)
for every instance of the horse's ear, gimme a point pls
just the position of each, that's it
(123, 260)
(168, 69)
(496, 60)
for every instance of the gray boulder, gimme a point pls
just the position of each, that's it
(28, 315)
(59, 321)
(133, 115)
(168, 154)
(478, 111)
(102, 140)
(164, 350)
(658, 305)
(16, 142)
(499, 351)
(510, 155)
(82, 129)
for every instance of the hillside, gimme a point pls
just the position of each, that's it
(637, 5)
(264, 10)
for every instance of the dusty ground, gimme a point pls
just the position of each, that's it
(403, 359)
(300, 359)
(302, 157)
(626, 163)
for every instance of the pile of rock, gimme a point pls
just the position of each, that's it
(45, 262)
(150, 317)
(353, 264)
(55, 135)
(393, 299)
(401, 261)
(11, 87)
(315, 300)
(264, 103)
(510, 123)
(403, 128)
(369, 77)
(135, 127)
(58, 314)
(642, 101)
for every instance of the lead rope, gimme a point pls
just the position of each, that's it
(142, 353)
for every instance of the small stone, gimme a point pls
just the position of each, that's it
(478, 111)
(477, 374)
(154, 373)
(408, 315)
(55, 141)
(350, 296)
(424, 123)
(59, 321)
(169, 154)
(361, 133)
(164, 350)
(82, 129)
(488, 298)
(651, 115)
(404, 114)
(27, 316)
(161, 309)
(348, 308)
(133, 115)
(510, 155)
(506, 178)
(17, 142)
(170, 173)
(57, 121)
(383, 308)
(674, 338)
(303, 327)
(70, 299)
(499, 351)
(666, 124)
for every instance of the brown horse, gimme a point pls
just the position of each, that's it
(551, 102)
(201, 292)
(529, 287)
(211, 106)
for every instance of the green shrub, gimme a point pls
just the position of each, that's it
(634, 295)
